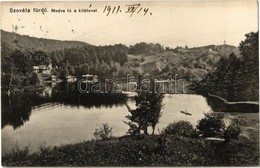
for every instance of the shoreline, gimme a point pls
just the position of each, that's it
(144, 151)
(234, 102)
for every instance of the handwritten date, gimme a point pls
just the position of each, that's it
(130, 9)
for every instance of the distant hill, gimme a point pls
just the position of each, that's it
(24, 42)
(193, 63)
(146, 49)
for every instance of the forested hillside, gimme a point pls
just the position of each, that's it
(24, 42)
(21, 53)
(235, 78)
(191, 64)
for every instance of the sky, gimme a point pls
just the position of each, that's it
(171, 24)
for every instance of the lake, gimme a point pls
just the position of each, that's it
(59, 115)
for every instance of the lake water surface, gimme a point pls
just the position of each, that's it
(63, 118)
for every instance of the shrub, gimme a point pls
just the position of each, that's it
(104, 132)
(183, 128)
(232, 131)
(211, 125)
(133, 129)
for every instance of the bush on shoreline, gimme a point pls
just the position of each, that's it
(183, 128)
(104, 132)
(212, 125)
(232, 131)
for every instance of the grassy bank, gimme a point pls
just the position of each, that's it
(153, 150)
(171, 150)
(249, 123)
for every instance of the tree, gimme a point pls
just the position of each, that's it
(249, 50)
(71, 70)
(64, 73)
(34, 79)
(55, 59)
(144, 48)
(235, 78)
(41, 58)
(156, 107)
(250, 65)
(148, 110)
(21, 61)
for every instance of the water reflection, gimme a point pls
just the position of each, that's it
(63, 116)
(16, 109)
(69, 95)
(59, 114)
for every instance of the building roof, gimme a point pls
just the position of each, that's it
(42, 67)
(36, 67)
